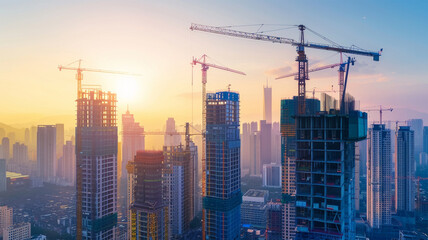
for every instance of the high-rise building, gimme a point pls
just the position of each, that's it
(2, 177)
(12, 140)
(179, 188)
(27, 137)
(379, 176)
(2, 133)
(171, 136)
(288, 160)
(32, 147)
(253, 208)
(276, 143)
(325, 155)
(133, 140)
(404, 170)
(20, 153)
(5, 145)
(272, 175)
(6, 218)
(149, 215)
(417, 126)
(267, 104)
(20, 231)
(245, 146)
(265, 143)
(69, 160)
(46, 152)
(425, 141)
(273, 221)
(96, 165)
(59, 139)
(254, 150)
(223, 198)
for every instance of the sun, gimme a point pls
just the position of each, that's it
(127, 88)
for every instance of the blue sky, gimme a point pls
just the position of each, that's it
(153, 38)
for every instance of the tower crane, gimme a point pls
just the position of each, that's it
(341, 74)
(380, 109)
(302, 61)
(204, 68)
(79, 78)
(80, 70)
(322, 91)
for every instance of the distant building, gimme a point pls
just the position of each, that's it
(171, 136)
(3, 182)
(253, 208)
(5, 145)
(6, 218)
(133, 140)
(404, 170)
(69, 161)
(425, 141)
(267, 104)
(423, 159)
(32, 147)
(59, 139)
(46, 152)
(20, 231)
(148, 218)
(379, 176)
(223, 197)
(272, 175)
(273, 221)
(276, 143)
(245, 146)
(179, 188)
(265, 143)
(418, 127)
(20, 153)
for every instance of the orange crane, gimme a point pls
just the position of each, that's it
(381, 109)
(80, 70)
(79, 78)
(301, 44)
(204, 68)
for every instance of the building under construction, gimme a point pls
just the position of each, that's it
(149, 218)
(96, 165)
(325, 154)
(179, 187)
(223, 197)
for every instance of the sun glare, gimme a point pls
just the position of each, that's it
(127, 88)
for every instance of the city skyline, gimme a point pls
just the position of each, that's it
(137, 47)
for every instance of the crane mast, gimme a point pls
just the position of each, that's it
(204, 68)
(301, 59)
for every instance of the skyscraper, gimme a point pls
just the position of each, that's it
(179, 188)
(171, 136)
(149, 219)
(425, 141)
(265, 143)
(222, 202)
(418, 127)
(325, 155)
(404, 170)
(267, 104)
(379, 176)
(133, 140)
(5, 145)
(288, 160)
(59, 139)
(32, 147)
(46, 152)
(245, 146)
(69, 160)
(96, 165)
(20, 153)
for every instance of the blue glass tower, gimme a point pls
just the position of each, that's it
(222, 202)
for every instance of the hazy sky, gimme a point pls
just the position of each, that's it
(152, 38)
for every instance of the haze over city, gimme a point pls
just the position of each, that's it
(256, 156)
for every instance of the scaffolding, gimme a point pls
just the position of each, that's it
(95, 108)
